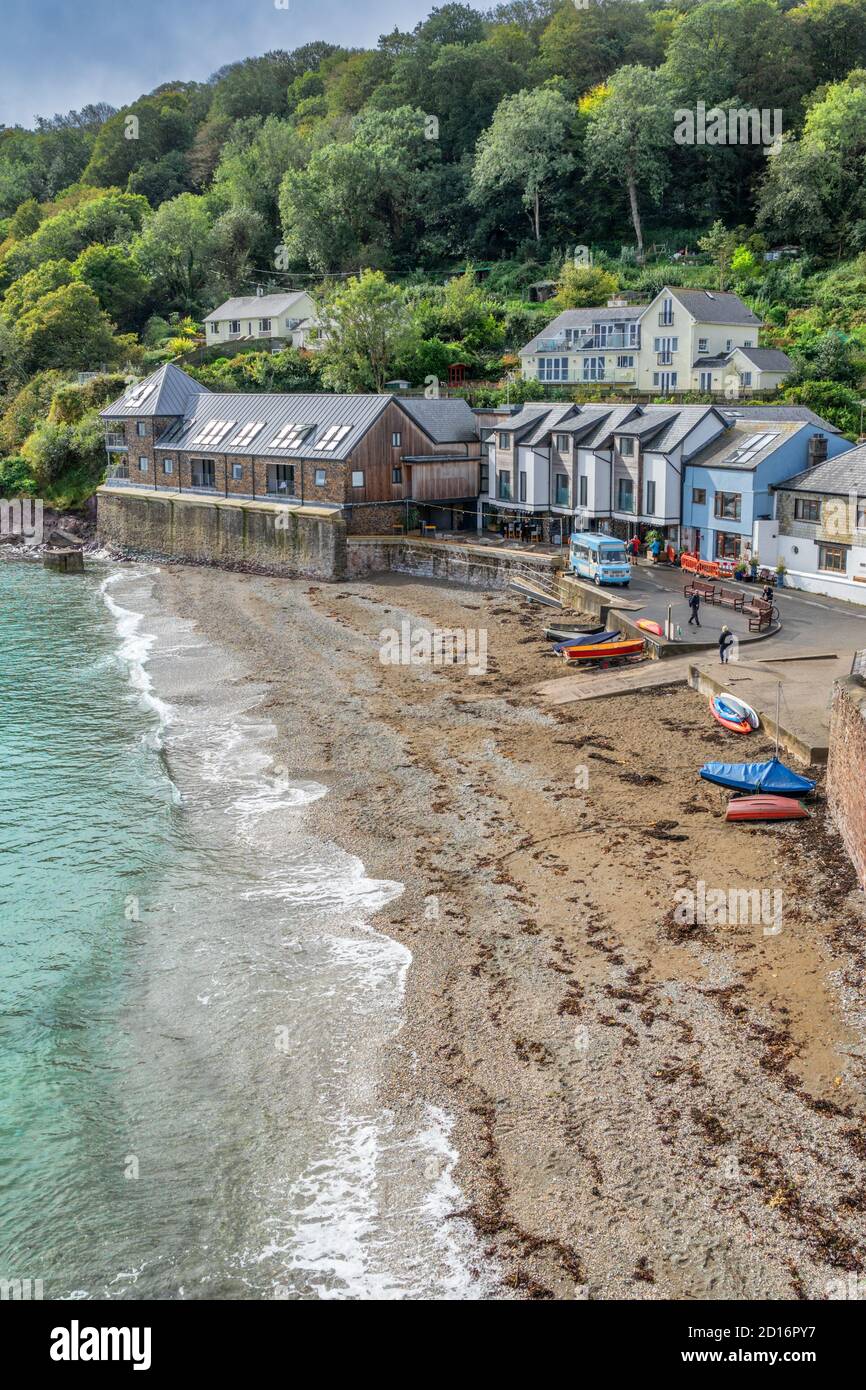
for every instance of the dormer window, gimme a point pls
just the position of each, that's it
(625, 444)
(563, 443)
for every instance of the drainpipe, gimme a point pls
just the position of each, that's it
(226, 474)
(302, 482)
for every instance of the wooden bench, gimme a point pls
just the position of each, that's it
(731, 598)
(761, 615)
(697, 586)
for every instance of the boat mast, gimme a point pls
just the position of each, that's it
(778, 703)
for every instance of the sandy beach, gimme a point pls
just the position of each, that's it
(645, 1108)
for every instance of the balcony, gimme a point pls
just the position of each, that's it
(116, 442)
(666, 321)
(559, 344)
(613, 342)
(665, 359)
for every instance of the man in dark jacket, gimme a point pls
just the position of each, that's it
(695, 606)
(726, 641)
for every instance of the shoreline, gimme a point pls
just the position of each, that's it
(640, 1112)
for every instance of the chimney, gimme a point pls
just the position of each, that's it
(817, 449)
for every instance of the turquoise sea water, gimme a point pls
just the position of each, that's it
(192, 1005)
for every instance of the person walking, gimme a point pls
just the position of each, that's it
(695, 606)
(635, 546)
(726, 641)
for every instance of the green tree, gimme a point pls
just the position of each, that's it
(67, 328)
(369, 329)
(529, 146)
(720, 244)
(586, 45)
(24, 292)
(117, 282)
(835, 32)
(175, 250)
(583, 286)
(629, 135)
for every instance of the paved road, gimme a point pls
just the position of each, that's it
(810, 622)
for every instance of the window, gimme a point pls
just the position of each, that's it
(237, 472)
(396, 439)
(522, 485)
(214, 327)
(593, 369)
(358, 478)
(583, 489)
(667, 314)
(650, 499)
(320, 477)
(234, 325)
(807, 509)
(504, 441)
(746, 378)
(751, 445)
(168, 465)
(281, 478)
(625, 495)
(563, 443)
(264, 325)
(141, 429)
(562, 490)
(484, 477)
(627, 361)
(706, 381)
(550, 369)
(211, 433)
(728, 344)
(861, 516)
(728, 505)
(292, 436)
(699, 496)
(747, 343)
(626, 446)
(703, 344)
(142, 464)
(333, 436)
(728, 545)
(833, 558)
(503, 488)
(202, 473)
(246, 433)
(396, 475)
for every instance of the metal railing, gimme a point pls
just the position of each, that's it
(115, 441)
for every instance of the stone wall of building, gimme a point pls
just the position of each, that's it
(846, 768)
(258, 537)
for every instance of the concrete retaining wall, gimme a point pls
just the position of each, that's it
(479, 566)
(257, 537)
(846, 768)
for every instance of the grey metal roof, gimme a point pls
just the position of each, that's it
(687, 417)
(838, 476)
(714, 306)
(609, 425)
(778, 412)
(275, 413)
(166, 392)
(445, 420)
(254, 306)
(767, 359)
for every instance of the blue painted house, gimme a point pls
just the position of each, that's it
(726, 486)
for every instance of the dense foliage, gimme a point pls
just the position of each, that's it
(421, 187)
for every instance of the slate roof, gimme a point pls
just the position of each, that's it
(584, 318)
(718, 453)
(166, 392)
(779, 412)
(714, 306)
(838, 476)
(766, 359)
(445, 420)
(254, 306)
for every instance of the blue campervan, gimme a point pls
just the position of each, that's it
(603, 559)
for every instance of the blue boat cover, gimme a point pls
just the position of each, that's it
(772, 778)
(587, 639)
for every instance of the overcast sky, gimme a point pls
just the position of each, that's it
(61, 54)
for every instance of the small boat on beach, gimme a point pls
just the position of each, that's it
(604, 651)
(565, 634)
(739, 709)
(728, 718)
(647, 625)
(748, 808)
(772, 778)
(595, 639)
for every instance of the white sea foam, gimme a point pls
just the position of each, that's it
(134, 651)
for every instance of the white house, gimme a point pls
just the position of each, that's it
(278, 320)
(819, 527)
(683, 340)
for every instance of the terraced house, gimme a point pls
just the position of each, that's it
(359, 454)
(684, 340)
(699, 474)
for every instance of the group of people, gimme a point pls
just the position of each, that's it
(654, 548)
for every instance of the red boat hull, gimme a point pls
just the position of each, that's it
(604, 652)
(766, 808)
(739, 726)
